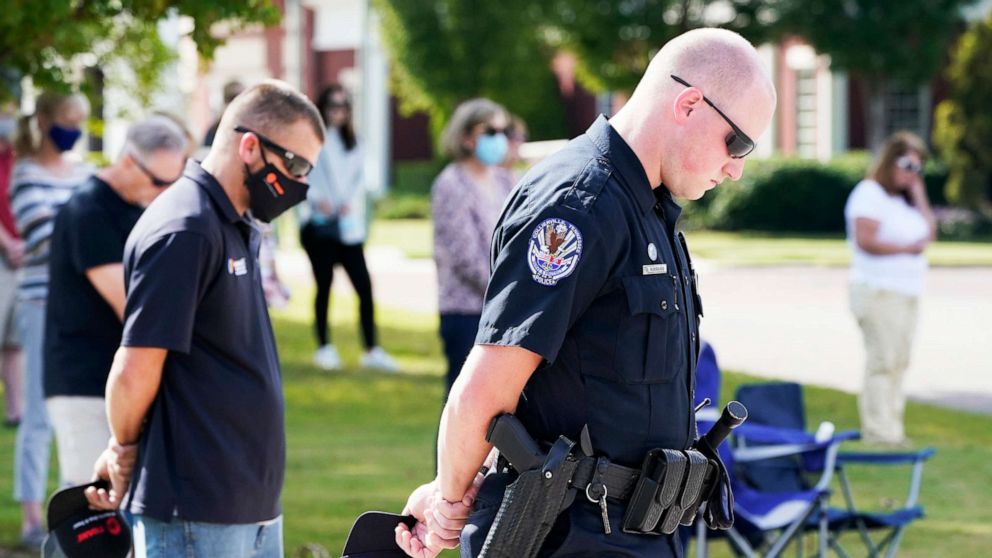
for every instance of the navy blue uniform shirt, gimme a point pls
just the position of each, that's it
(213, 447)
(590, 272)
(82, 331)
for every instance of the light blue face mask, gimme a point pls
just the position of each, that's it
(491, 149)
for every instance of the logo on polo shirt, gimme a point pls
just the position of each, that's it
(237, 267)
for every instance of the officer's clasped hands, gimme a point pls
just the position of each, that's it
(439, 522)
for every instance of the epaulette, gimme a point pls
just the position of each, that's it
(587, 185)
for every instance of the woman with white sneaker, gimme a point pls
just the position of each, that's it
(334, 228)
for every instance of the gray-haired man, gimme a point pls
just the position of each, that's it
(83, 324)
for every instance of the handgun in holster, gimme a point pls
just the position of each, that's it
(533, 502)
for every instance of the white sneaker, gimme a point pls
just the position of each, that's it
(327, 358)
(379, 359)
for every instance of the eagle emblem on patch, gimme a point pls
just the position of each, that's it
(555, 247)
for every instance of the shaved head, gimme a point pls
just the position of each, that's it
(681, 133)
(719, 62)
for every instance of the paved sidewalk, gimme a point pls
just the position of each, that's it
(794, 323)
(789, 323)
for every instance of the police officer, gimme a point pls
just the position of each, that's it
(592, 313)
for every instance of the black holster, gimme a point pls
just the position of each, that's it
(531, 505)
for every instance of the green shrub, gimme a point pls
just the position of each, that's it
(795, 195)
(404, 206)
(415, 177)
(409, 195)
(783, 195)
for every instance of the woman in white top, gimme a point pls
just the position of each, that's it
(889, 225)
(334, 223)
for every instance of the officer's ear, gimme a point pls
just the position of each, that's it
(685, 103)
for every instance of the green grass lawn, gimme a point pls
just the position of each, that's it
(413, 237)
(360, 440)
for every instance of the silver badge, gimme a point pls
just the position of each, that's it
(655, 269)
(652, 251)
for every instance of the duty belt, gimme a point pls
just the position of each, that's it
(664, 493)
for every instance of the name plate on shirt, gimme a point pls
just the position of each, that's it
(654, 269)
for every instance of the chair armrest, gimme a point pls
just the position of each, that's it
(886, 458)
(750, 454)
(763, 434)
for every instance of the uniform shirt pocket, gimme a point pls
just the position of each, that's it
(650, 337)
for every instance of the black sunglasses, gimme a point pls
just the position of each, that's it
(738, 143)
(296, 165)
(907, 165)
(158, 182)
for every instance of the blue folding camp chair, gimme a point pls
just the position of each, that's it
(768, 519)
(892, 523)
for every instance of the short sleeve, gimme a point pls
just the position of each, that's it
(166, 281)
(867, 200)
(547, 270)
(93, 240)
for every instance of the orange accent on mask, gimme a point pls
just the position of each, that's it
(274, 181)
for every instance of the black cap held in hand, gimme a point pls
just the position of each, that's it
(76, 531)
(374, 536)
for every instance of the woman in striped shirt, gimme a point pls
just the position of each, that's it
(44, 178)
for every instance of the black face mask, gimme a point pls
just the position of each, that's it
(272, 192)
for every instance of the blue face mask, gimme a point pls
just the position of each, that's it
(64, 138)
(491, 149)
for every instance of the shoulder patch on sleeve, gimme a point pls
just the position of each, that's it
(554, 250)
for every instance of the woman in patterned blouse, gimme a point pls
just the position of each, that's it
(466, 200)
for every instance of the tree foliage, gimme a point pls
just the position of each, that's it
(447, 51)
(53, 40)
(901, 40)
(963, 122)
(881, 42)
(615, 40)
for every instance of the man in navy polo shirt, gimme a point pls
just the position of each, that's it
(196, 382)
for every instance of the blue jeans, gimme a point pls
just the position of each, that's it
(34, 436)
(458, 334)
(189, 539)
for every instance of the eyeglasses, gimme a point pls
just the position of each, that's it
(493, 130)
(738, 143)
(158, 182)
(296, 165)
(908, 165)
